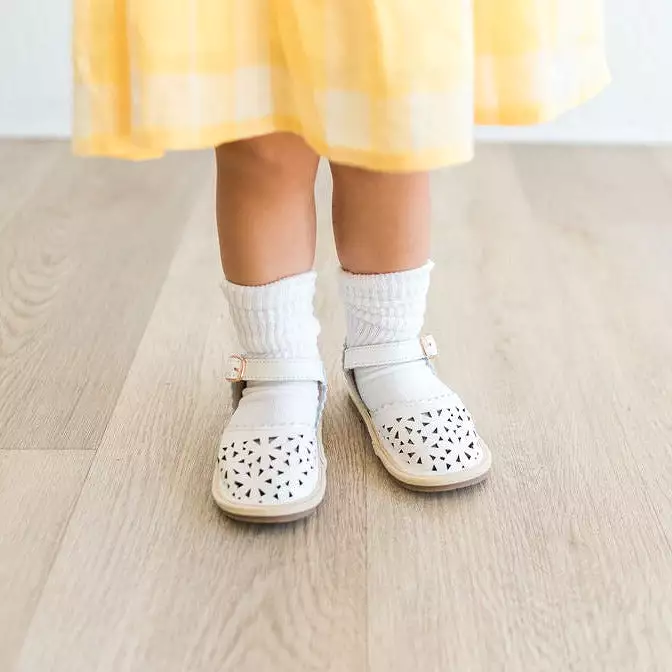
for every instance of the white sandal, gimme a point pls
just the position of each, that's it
(271, 474)
(427, 445)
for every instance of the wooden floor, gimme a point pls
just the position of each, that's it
(552, 299)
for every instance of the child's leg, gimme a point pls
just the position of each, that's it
(381, 226)
(420, 426)
(381, 221)
(266, 208)
(269, 459)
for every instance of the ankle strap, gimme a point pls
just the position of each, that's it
(241, 368)
(390, 353)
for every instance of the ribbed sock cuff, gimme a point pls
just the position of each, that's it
(275, 320)
(386, 307)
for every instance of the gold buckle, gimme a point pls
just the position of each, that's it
(429, 347)
(238, 370)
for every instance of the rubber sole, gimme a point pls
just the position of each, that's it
(445, 488)
(439, 483)
(270, 520)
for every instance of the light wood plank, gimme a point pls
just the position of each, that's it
(663, 156)
(151, 576)
(551, 299)
(81, 264)
(24, 166)
(38, 490)
(554, 333)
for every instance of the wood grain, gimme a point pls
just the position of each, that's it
(163, 580)
(561, 560)
(24, 166)
(81, 263)
(37, 493)
(551, 299)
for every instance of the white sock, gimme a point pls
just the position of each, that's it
(276, 320)
(382, 309)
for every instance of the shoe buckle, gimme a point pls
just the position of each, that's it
(236, 369)
(429, 347)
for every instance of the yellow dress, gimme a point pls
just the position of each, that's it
(384, 84)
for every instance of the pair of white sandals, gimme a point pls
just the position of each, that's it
(279, 473)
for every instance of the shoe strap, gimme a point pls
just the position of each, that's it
(241, 368)
(390, 353)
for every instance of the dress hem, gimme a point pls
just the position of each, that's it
(155, 143)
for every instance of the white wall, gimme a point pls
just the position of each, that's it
(35, 67)
(35, 76)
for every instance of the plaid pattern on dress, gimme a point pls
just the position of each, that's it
(383, 84)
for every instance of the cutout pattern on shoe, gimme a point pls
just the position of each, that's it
(273, 469)
(436, 441)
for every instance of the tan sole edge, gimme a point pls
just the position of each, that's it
(270, 520)
(275, 514)
(420, 483)
(445, 488)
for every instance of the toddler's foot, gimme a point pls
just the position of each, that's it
(419, 427)
(271, 465)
